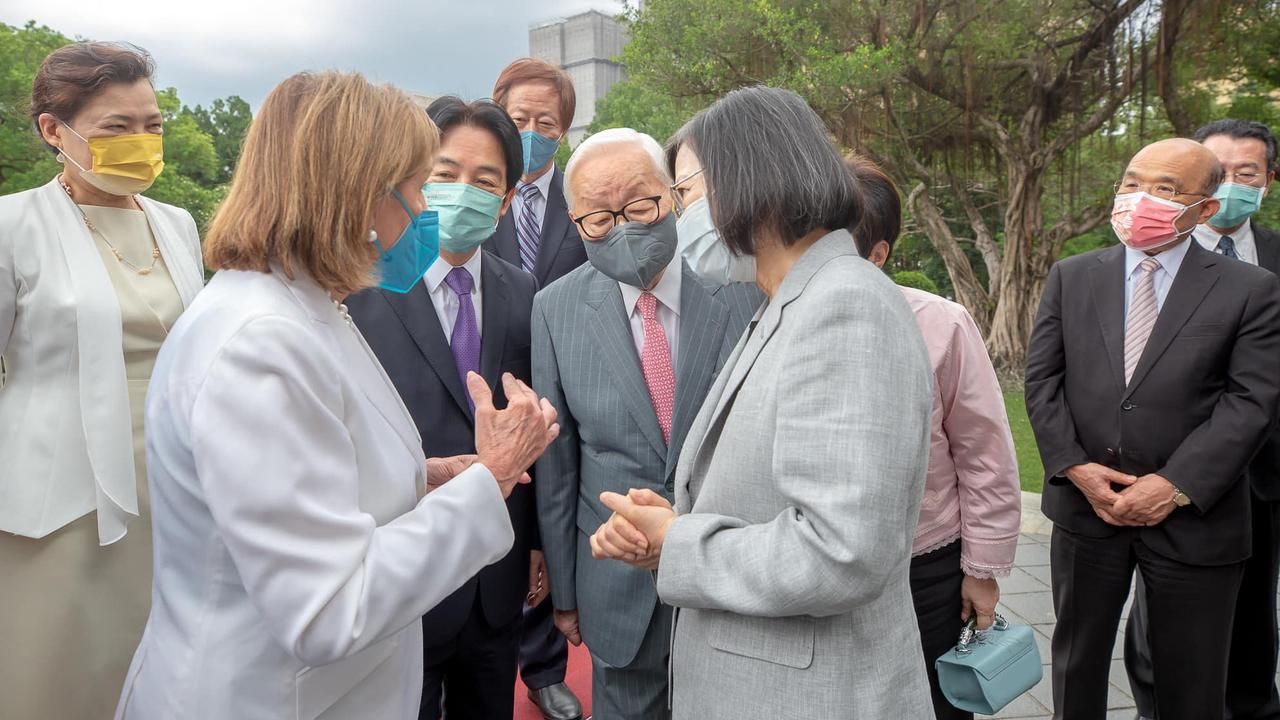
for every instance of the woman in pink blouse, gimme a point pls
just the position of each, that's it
(971, 511)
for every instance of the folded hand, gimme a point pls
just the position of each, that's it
(635, 532)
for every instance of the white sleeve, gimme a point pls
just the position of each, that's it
(278, 467)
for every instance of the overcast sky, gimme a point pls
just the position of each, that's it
(214, 48)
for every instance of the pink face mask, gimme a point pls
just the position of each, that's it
(1143, 221)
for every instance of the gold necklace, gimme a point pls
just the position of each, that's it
(155, 249)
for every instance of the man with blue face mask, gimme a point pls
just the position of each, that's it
(1247, 151)
(626, 348)
(537, 237)
(468, 312)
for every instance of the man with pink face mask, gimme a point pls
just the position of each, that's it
(1151, 381)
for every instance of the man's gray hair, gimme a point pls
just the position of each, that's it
(615, 136)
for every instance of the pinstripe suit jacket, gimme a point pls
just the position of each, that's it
(585, 362)
(798, 494)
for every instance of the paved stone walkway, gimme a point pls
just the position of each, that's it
(1025, 599)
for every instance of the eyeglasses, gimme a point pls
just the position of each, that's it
(1162, 190)
(677, 192)
(596, 225)
(1245, 178)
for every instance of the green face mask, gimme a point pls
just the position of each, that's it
(468, 215)
(1238, 202)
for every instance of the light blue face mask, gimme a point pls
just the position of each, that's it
(401, 267)
(1237, 202)
(538, 150)
(468, 214)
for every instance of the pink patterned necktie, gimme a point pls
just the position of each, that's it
(655, 362)
(1143, 311)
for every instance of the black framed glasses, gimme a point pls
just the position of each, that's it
(596, 225)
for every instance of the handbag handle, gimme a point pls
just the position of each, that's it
(969, 633)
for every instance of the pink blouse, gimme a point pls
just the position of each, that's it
(972, 491)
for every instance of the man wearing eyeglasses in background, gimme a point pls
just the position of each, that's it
(625, 347)
(1247, 151)
(1152, 379)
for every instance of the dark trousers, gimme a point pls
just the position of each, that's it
(544, 653)
(935, 592)
(1251, 667)
(1189, 609)
(471, 676)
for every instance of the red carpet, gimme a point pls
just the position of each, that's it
(578, 677)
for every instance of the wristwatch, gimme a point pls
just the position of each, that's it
(1180, 498)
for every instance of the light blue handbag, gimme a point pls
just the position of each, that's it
(987, 670)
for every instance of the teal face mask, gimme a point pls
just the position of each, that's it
(1238, 202)
(401, 267)
(468, 215)
(538, 150)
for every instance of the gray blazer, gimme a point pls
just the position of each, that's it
(585, 363)
(798, 496)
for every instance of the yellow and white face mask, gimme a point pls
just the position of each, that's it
(122, 164)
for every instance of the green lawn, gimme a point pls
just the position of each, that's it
(1024, 441)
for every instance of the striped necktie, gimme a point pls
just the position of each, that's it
(1143, 310)
(527, 230)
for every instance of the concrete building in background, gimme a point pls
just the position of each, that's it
(587, 46)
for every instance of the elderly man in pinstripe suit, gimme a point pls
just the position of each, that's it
(626, 348)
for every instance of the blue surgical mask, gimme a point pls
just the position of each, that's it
(1237, 203)
(538, 150)
(468, 214)
(401, 267)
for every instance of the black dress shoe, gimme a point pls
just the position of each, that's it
(557, 702)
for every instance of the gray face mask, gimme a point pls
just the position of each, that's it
(635, 253)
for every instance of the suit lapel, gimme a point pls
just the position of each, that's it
(1195, 277)
(555, 220)
(1106, 280)
(702, 325)
(503, 243)
(418, 315)
(1268, 246)
(612, 330)
(493, 333)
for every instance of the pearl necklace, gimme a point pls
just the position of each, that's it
(342, 310)
(155, 250)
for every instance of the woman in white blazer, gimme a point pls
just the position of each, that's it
(92, 278)
(296, 547)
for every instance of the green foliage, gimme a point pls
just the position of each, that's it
(24, 160)
(1030, 469)
(226, 121)
(917, 280)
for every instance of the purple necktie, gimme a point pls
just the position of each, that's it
(465, 341)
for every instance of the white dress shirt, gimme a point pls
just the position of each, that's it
(667, 291)
(1170, 261)
(446, 300)
(1246, 248)
(539, 204)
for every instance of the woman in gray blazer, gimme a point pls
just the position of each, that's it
(788, 549)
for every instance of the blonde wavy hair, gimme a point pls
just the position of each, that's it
(323, 149)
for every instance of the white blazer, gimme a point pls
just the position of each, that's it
(294, 558)
(66, 440)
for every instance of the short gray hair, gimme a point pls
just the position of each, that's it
(615, 136)
(770, 165)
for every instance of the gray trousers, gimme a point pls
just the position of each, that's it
(637, 691)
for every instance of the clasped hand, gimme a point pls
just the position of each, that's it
(1145, 501)
(635, 532)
